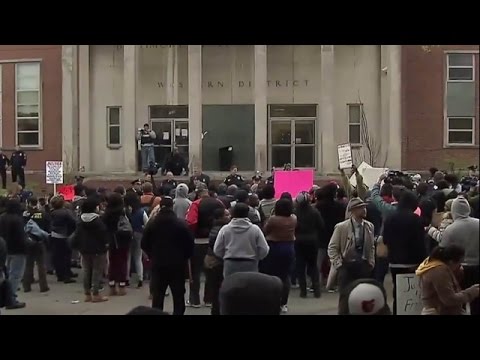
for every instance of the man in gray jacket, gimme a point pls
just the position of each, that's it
(464, 232)
(240, 244)
(181, 202)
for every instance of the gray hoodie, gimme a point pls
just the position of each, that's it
(463, 232)
(181, 203)
(240, 239)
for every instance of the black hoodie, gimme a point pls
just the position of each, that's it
(12, 229)
(310, 226)
(91, 235)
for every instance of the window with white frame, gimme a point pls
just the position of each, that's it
(113, 126)
(460, 67)
(460, 131)
(28, 109)
(355, 123)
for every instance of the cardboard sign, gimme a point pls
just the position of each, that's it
(371, 175)
(409, 295)
(293, 182)
(54, 172)
(67, 191)
(345, 160)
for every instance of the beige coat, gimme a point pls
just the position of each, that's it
(343, 239)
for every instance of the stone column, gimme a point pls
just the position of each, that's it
(395, 107)
(128, 119)
(195, 105)
(385, 100)
(70, 142)
(84, 106)
(261, 121)
(328, 149)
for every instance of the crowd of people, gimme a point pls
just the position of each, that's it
(251, 244)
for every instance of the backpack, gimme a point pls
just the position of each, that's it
(124, 232)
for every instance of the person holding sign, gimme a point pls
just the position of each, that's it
(441, 292)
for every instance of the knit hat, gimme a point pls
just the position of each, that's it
(366, 299)
(448, 205)
(356, 203)
(302, 197)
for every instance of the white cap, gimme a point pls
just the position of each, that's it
(365, 299)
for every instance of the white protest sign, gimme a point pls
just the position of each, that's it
(54, 172)
(345, 156)
(409, 295)
(361, 168)
(371, 175)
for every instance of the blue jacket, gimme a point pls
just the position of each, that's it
(32, 229)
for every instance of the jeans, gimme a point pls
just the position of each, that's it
(470, 277)
(279, 263)
(148, 156)
(36, 254)
(306, 263)
(16, 269)
(215, 279)
(136, 255)
(395, 272)
(173, 277)
(199, 252)
(93, 267)
(118, 266)
(61, 258)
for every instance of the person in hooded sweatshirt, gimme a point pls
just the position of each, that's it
(267, 204)
(13, 232)
(169, 244)
(181, 202)
(242, 198)
(310, 231)
(90, 239)
(280, 234)
(251, 293)
(200, 218)
(240, 244)
(464, 232)
(441, 292)
(404, 236)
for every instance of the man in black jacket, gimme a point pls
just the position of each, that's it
(404, 236)
(168, 242)
(13, 231)
(18, 162)
(198, 177)
(175, 163)
(234, 178)
(4, 164)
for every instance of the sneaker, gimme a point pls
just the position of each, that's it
(331, 291)
(195, 306)
(208, 305)
(310, 290)
(295, 286)
(45, 290)
(69, 281)
(17, 305)
(284, 309)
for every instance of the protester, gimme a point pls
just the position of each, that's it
(147, 137)
(138, 218)
(175, 163)
(422, 192)
(404, 236)
(352, 247)
(348, 189)
(79, 197)
(312, 192)
(251, 293)
(36, 254)
(181, 203)
(90, 239)
(13, 232)
(200, 217)
(441, 292)
(222, 195)
(62, 225)
(119, 238)
(464, 232)
(240, 244)
(309, 233)
(253, 215)
(454, 186)
(214, 264)
(120, 190)
(267, 204)
(234, 178)
(169, 244)
(364, 297)
(148, 200)
(280, 234)
(168, 185)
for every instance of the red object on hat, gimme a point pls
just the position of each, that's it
(418, 211)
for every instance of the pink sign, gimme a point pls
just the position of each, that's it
(293, 182)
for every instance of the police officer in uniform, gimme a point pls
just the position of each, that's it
(234, 178)
(147, 140)
(18, 162)
(198, 177)
(4, 164)
(271, 179)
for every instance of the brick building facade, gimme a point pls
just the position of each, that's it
(440, 106)
(30, 102)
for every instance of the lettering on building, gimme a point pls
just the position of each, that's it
(218, 84)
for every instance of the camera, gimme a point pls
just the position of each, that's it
(396, 177)
(153, 169)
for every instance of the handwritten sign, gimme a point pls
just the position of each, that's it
(345, 156)
(54, 172)
(409, 295)
(293, 182)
